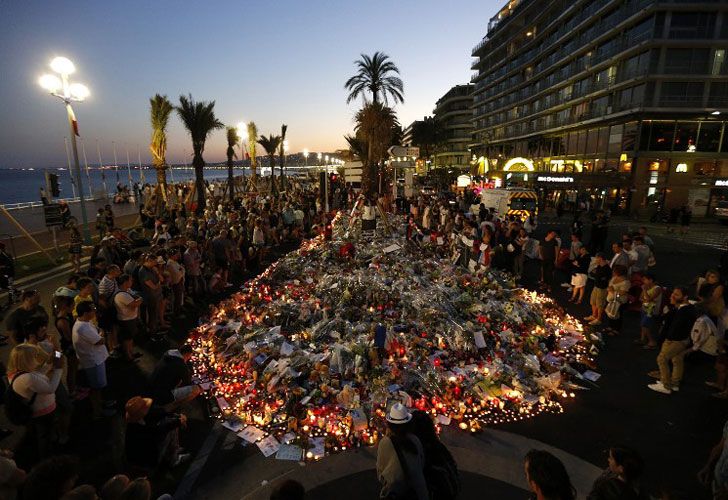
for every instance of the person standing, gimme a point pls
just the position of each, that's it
(90, 347)
(27, 369)
(15, 324)
(598, 299)
(651, 298)
(176, 272)
(150, 283)
(127, 315)
(678, 325)
(548, 250)
(193, 269)
(401, 458)
(579, 278)
(620, 257)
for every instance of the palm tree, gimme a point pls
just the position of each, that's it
(232, 141)
(270, 144)
(252, 138)
(375, 124)
(376, 75)
(282, 152)
(200, 120)
(358, 147)
(160, 109)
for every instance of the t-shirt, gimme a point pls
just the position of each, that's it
(601, 275)
(548, 249)
(680, 323)
(107, 287)
(176, 271)
(19, 318)
(85, 338)
(146, 274)
(124, 310)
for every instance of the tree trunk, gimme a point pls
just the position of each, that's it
(162, 182)
(231, 180)
(273, 187)
(199, 164)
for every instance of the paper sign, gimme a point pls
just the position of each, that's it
(318, 449)
(268, 446)
(479, 340)
(443, 420)
(288, 437)
(251, 434)
(234, 425)
(358, 419)
(592, 376)
(440, 240)
(287, 349)
(289, 452)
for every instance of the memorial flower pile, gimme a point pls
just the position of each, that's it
(309, 354)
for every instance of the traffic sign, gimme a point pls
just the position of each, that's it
(404, 151)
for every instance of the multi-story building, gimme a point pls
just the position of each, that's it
(407, 133)
(454, 115)
(619, 102)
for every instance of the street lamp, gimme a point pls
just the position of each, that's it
(318, 155)
(305, 156)
(242, 131)
(69, 92)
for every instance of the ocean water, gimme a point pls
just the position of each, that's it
(17, 186)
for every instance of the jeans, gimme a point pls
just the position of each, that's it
(672, 351)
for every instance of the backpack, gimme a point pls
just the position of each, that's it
(441, 474)
(18, 410)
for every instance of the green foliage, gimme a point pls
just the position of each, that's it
(160, 108)
(375, 75)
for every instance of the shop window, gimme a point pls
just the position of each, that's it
(687, 61)
(615, 140)
(645, 132)
(705, 168)
(629, 136)
(587, 166)
(661, 136)
(685, 136)
(709, 137)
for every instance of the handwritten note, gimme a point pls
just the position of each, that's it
(251, 434)
(289, 452)
(440, 240)
(268, 446)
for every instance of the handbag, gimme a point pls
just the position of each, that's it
(612, 309)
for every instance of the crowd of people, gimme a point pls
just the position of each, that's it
(139, 282)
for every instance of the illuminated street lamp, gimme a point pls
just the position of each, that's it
(69, 92)
(318, 155)
(305, 156)
(242, 131)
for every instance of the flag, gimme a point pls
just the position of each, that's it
(74, 122)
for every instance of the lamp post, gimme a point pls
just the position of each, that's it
(242, 130)
(68, 93)
(318, 156)
(305, 156)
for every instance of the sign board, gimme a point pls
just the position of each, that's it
(549, 178)
(463, 180)
(352, 171)
(721, 183)
(52, 215)
(404, 151)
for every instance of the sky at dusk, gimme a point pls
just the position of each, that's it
(273, 62)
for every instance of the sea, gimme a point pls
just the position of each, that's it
(23, 185)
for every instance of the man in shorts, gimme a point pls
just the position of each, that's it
(598, 299)
(90, 347)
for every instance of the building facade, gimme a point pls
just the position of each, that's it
(453, 114)
(620, 103)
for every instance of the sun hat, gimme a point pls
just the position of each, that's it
(137, 408)
(398, 414)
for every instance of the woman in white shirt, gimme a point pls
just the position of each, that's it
(27, 369)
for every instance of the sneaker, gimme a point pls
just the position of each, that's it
(658, 387)
(654, 374)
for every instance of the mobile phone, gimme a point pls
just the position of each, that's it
(58, 355)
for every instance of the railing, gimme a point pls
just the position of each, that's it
(34, 204)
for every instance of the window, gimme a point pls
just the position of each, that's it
(692, 25)
(718, 94)
(705, 168)
(661, 136)
(602, 140)
(599, 106)
(641, 32)
(685, 136)
(571, 144)
(629, 136)
(579, 110)
(581, 142)
(592, 139)
(631, 97)
(686, 61)
(718, 62)
(682, 94)
(615, 140)
(709, 137)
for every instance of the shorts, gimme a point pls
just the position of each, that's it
(578, 280)
(598, 297)
(128, 329)
(183, 392)
(96, 376)
(646, 321)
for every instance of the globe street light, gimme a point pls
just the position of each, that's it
(318, 155)
(69, 92)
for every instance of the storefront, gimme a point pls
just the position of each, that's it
(718, 193)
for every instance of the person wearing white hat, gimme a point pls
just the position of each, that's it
(401, 458)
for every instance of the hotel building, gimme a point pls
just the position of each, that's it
(454, 115)
(620, 102)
